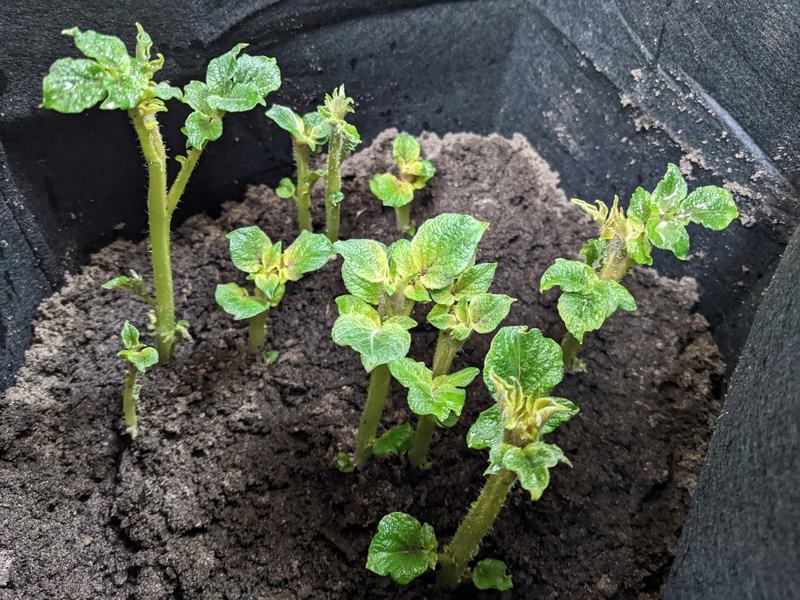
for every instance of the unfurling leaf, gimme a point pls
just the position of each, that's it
(343, 463)
(532, 464)
(285, 188)
(402, 548)
(287, 119)
(248, 245)
(144, 358)
(405, 149)
(236, 301)
(491, 573)
(395, 441)
(444, 247)
(130, 336)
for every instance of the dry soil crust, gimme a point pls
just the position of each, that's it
(231, 492)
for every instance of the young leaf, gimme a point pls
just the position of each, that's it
(594, 251)
(109, 51)
(195, 94)
(405, 149)
(534, 360)
(444, 247)
(532, 465)
(236, 301)
(221, 69)
(459, 379)
(309, 252)
(144, 358)
(569, 275)
(287, 119)
(390, 190)
(486, 311)
(130, 336)
(377, 343)
(670, 191)
(143, 44)
(487, 431)
(422, 171)
(641, 206)
(395, 441)
(709, 206)
(343, 463)
(441, 317)
(409, 373)
(474, 280)
(365, 268)
(402, 548)
(491, 573)
(165, 91)
(285, 188)
(669, 235)
(248, 245)
(73, 85)
(638, 247)
(560, 417)
(587, 312)
(202, 128)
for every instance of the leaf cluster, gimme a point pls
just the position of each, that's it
(414, 174)
(136, 353)
(334, 111)
(269, 268)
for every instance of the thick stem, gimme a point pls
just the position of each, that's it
(159, 220)
(446, 348)
(302, 154)
(479, 520)
(129, 402)
(403, 214)
(379, 381)
(257, 332)
(333, 183)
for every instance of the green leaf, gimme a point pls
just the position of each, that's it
(532, 465)
(130, 336)
(405, 149)
(287, 119)
(143, 44)
(201, 129)
(709, 206)
(377, 343)
(220, 70)
(236, 301)
(109, 51)
(422, 171)
(390, 190)
(144, 358)
(401, 266)
(336, 198)
(490, 573)
(248, 246)
(122, 94)
(534, 360)
(641, 206)
(569, 275)
(285, 188)
(402, 548)
(309, 252)
(270, 357)
(486, 311)
(669, 235)
(460, 378)
(271, 285)
(72, 85)
(350, 304)
(343, 463)
(670, 191)
(561, 417)
(487, 431)
(245, 85)
(444, 247)
(638, 248)
(594, 251)
(365, 268)
(165, 91)
(351, 138)
(441, 317)
(195, 94)
(474, 280)
(409, 373)
(587, 312)
(395, 441)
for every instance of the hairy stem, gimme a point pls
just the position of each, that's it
(333, 183)
(129, 397)
(379, 381)
(403, 214)
(467, 540)
(159, 218)
(179, 185)
(446, 348)
(302, 154)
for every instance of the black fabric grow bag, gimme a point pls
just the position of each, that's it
(608, 92)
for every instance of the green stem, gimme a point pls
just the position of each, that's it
(333, 183)
(446, 348)
(379, 381)
(257, 332)
(159, 218)
(129, 397)
(569, 348)
(179, 185)
(403, 214)
(302, 154)
(479, 520)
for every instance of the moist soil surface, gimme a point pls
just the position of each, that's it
(231, 492)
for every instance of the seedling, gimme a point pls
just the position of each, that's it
(309, 134)
(520, 370)
(590, 291)
(384, 284)
(139, 358)
(118, 81)
(399, 192)
(269, 268)
(342, 141)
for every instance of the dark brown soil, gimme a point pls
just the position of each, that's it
(231, 491)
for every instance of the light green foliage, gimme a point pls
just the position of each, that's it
(441, 397)
(135, 352)
(237, 301)
(333, 112)
(310, 129)
(481, 313)
(343, 463)
(365, 270)
(285, 189)
(395, 441)
(586, 300)
(132, 283)
(402, 548)
(531, 463)
(390, 190)
(378, 341)
(491, 573)
(414, 174)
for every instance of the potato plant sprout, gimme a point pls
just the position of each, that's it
(118, 81)
(520, 370)
(590, 291)
(309, 135)
(343, 139)
(374, 318)
(139, 357)
(269, 269)
(398, 192)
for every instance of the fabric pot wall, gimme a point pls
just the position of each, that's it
(608, 92)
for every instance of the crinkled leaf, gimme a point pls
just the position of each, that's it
(444, 247)
(486, 311)
(73, 85)
(201, 128)
(165, 91)
(487, 431)
(441, 317)
(670, 191)
(248, 246)
(474, 280)
(395, 441)
(641, 206)
(599, 212)
(287, 119)
(109, 51)
(130, 336)
(669, 235)
(365, 268)
(309, 252)
(561, 417)
(409, 372)
(638, 248)
(377, 344)
(239, 84)
(390, 190)
(144, 358)
(460, 378)
(534, 360)
(405, 149)
(285, 188)
(532, 465)
(402, 548)
(569, 275)
(400, 263)
(594, 251)
(711, 207)
(491, 573)
(195, 94)
(220, 70)
(236, 301)
(587, 312)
